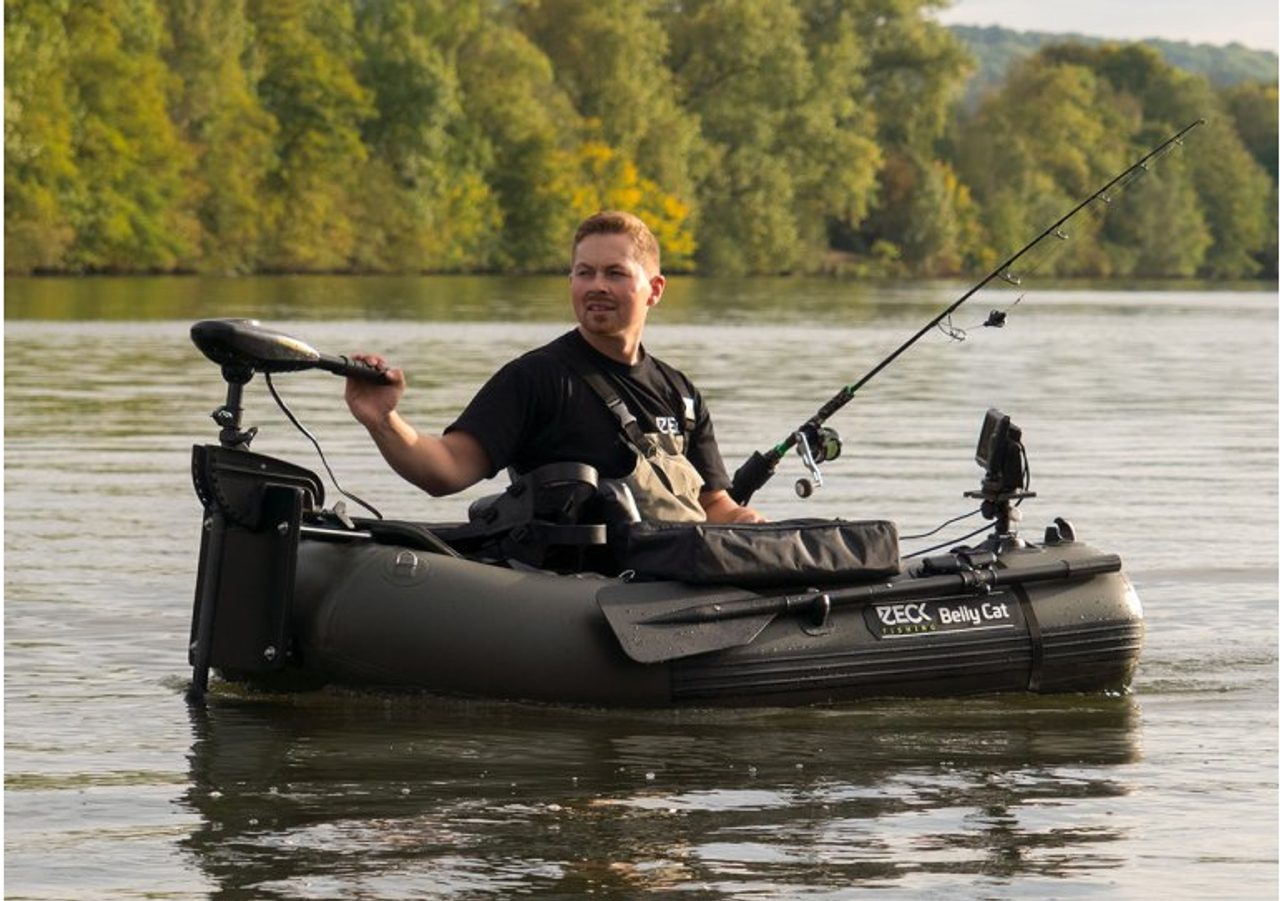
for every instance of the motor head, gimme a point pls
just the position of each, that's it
(243, 346)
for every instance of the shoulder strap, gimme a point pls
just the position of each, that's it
(576, 361)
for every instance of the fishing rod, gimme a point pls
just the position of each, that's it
(816, 444)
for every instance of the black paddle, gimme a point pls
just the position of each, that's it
(656, 622)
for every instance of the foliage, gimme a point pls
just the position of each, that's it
(217, 108)
(755, 136)
(1070, 116)
(997, 49)
(40, 173)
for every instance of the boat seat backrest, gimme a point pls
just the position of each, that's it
(558, 516)
(563, 494)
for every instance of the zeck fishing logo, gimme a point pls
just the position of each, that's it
(921, 617)
(904, 619)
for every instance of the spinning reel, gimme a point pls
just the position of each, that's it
(815, 444)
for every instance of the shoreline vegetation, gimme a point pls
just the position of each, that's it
(840, 138)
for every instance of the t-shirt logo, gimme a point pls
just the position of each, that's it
(667, 425)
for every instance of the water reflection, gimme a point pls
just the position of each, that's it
(339, 794)
(449, 298)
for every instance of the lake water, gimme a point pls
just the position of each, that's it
(1150, 419)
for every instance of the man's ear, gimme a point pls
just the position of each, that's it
(657, 285)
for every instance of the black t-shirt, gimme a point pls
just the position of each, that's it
(536, 410)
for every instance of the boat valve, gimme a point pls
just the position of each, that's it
(815, 445)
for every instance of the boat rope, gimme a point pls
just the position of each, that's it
(316, 444)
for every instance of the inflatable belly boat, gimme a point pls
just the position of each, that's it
(547, 593)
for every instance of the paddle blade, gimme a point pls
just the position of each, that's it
(631, 611)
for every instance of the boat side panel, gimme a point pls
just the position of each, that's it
(852, 660)
(399, 618)
(1079, 635)
(383, 616)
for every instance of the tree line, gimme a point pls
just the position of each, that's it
(755, 136)
(995, 49)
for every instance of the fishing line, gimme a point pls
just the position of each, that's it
(1092, 214)
(316, 444)
(760, 466)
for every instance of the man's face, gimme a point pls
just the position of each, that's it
(611, 291)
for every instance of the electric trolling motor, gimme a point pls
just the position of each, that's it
(236, 506)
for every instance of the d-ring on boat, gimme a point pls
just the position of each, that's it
(553, 591)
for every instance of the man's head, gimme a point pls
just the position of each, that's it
(644, 246)
(614, 280)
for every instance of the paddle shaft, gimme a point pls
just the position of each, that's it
(964, 581)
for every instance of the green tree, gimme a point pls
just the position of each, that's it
(1159, 229)
(423, 203)
(912, 73)
(1232, 188)
(609, 57)
(307, 52)
(788, 149)
(133, 201)
(521, 126)
(233, 137)
(1228, 182)
(927, 216)
(40, 174)
(1048, 140)
(1254, 107)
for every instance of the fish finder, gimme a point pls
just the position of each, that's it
(1006, 475)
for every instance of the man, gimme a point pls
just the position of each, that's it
(559, 403)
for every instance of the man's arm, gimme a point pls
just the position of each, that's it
(719, 507)
(438, 466)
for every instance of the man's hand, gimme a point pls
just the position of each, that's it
(372, 403)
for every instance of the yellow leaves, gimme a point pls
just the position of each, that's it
(598, 177)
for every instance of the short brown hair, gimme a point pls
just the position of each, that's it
(616, 222)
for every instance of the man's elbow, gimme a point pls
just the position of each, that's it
(721, 508)
(462, 463)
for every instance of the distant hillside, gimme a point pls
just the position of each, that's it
(995, 49)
